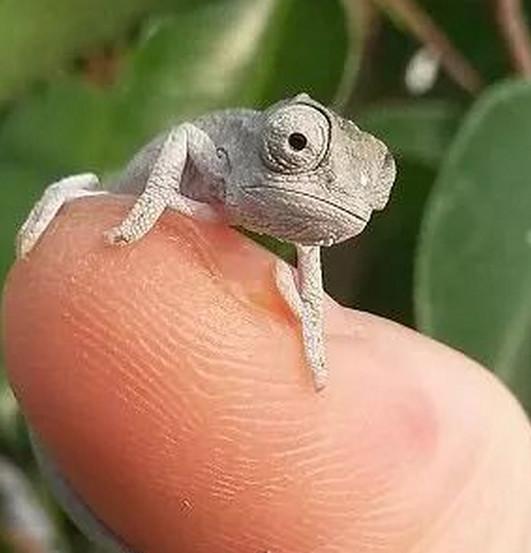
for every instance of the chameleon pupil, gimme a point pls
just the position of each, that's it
(297, 141)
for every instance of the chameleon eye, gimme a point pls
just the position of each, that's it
(295, 138)
(297, 141)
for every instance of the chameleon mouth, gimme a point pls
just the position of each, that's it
(339, 207)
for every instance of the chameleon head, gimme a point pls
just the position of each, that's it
(319, 177)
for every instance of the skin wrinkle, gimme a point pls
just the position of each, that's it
(209, 257)
(311, 196)
(199, 246)
(217, 268)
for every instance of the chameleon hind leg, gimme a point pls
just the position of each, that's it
(44, 211)
(304, 296)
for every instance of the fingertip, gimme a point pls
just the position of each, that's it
(168, 379)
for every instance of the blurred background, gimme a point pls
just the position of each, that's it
(84, 83)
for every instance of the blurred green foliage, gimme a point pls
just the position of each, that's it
(474, 260)
(84, 83)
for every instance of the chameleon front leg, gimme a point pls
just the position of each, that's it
(305, 298)
(162, 188)
(43, 212)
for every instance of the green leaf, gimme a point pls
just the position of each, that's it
(38, 37)
(18, 186)
(357, 273)
(474, 260)
(207, 56)
(419, 131)
(375, 271)
(239, 53)
(213, 55)
(65, 128)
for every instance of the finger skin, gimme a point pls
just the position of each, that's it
(167, 379)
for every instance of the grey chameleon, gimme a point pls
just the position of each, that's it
(296, 171)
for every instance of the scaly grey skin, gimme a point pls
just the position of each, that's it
(296, 171)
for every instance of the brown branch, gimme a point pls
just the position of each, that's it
(513, 26)
(422, 26)
(359, 14)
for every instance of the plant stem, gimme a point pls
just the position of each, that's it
(513, 26)
(424, 28)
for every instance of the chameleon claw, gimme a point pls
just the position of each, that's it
(320, 380)
(116, 237)
(23, 246)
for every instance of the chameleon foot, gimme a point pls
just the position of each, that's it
(116, 237)
(44, 211)
(147, 210)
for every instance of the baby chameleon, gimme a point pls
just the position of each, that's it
(296, 171)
